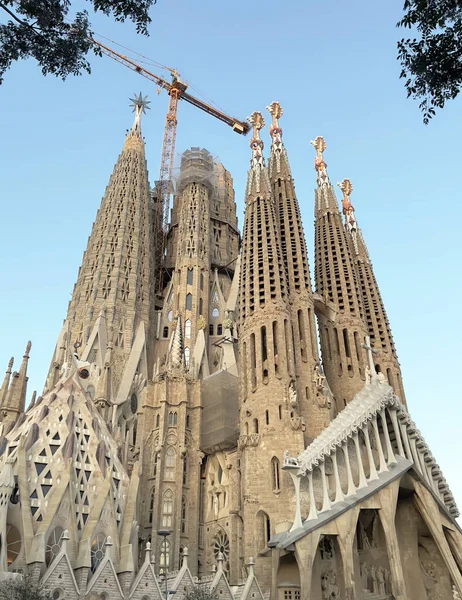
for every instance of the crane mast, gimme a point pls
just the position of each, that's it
(176, 91)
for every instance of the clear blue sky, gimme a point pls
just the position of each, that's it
(332, 67)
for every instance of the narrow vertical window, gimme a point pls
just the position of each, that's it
(255, 425)
(187, 354)
(275, 474)
(190, 277)
(253, 361)
(187, 328)
(275, 347)
(188, 301)
(151, 506)
(267, 417)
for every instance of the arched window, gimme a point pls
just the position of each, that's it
(175, 418)
(215, 313)
(98, 550)
(187, 328)
(165, 332)
(167, 509)
(246, 428)
(157, 420)
(185, 470)
(211, 330)
(219, 329)
(188, 301)
(267, 416)
(255, 425)
(187, 421)
(151, 506)
(170, 418)
(54, 543)
(183, 514)
(164, 562)
(187, 353)
(134, 403)
(190, 277)
(263, 530)
(170, 458)
(156, 457)
(275, 474)
(134, 430)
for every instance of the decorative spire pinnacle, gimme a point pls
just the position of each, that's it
(275, 131)
(140, 105)
(347, 207)
(258, 122)
(10, 365)
(319, 164)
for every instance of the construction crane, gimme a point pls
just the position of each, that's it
(176, 89)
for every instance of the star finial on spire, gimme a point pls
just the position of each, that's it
(275, 111)
(258, 122)
(347, 207)
(319, 164)
(140, 105)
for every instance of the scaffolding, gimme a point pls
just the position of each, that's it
(220, 415)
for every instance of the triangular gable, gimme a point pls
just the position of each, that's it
(61, 575)
(105, 579)
(220, 586)
(145, 584)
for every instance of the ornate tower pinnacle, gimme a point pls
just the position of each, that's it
(13, 392)
(257, 180)
(319, 164)
(256, 144)
(275, 131)
(337, 284)
(375, 317)
(312, 403)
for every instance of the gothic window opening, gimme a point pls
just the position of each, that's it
(187, 422)
(156, 458)
(190, 277)
(167, 509)
(187, 353)
(188, 301)
(98, 551)
(253, 361)
(164, 559)
(215, 313)
(219, 329)
(263, 530)
(13, 544)
(346, 343)
(255, 425)
(185, 470)
(221, 544)
(53, 547)
(157, 420)
(211, 329)
(170, 418)
(183, 515)
(170, 459)
(151, 506)
(275, 347)
(187, 328)
(275, 474)
(165, 332)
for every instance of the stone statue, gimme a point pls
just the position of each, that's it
(368, 376)
(319, 377)
(329, 587)
(373, 572)
(364, 576)
(292, 395)
(381, 580)
(215, 505)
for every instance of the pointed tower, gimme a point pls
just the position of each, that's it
(313, 403)
(13, 392)
(110, 315)
(270, 421)
(340, 313)
(378, 327)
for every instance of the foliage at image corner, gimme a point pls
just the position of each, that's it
(22, 588)
(55, 36)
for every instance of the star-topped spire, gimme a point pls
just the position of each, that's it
(139, 105)
(319, 164)
(347, 207)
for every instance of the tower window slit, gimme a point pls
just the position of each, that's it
(253, 361)
(264, 354)
(346, 343)
(301, 332)
(275, 346)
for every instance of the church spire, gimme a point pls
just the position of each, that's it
(270, 418)
(6, 381)
(336, 283)
(313, 406)
(375, 317)
(14, 399)
(112, 301)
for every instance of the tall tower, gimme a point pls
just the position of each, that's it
(270, 421)
(13, 393)
(313, 403)
(110, 314)
(195, 375)
(375, 316)
(341, 326)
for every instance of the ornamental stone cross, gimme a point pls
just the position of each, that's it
(370, 352)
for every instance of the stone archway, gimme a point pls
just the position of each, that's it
(327, 578)
(288, 578)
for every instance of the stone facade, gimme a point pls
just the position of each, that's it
(197, 405)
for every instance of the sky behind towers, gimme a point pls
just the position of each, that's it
(332, 66)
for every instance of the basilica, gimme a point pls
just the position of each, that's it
(210, 419)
